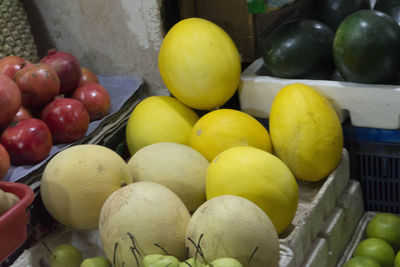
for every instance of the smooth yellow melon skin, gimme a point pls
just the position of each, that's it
(199, 63)
(151, 214)
(78, 180)
(306, 132)
(159, 119)
(221, 129)
(178, 167)
(234, 227)
(258, 176)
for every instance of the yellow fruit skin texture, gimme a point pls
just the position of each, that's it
(306, 132)
(258, 176)
(178, 167)
(199, 63)
(221, 129)
(159, 119)
(77, 181)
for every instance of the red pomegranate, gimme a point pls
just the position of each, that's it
(39, 84)
(67, 68)
(9, 65)
(10, 100)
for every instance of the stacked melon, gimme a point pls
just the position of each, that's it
(207, 182)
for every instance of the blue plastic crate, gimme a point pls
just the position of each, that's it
(375, 162)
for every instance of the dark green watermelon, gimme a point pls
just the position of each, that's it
(300, 48)
(366, 47)
(333, 12)
(390, 7)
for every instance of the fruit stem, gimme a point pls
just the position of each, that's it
(115, 252)
(47, 248)
(134, 249)
(252, 254)
(163, 249)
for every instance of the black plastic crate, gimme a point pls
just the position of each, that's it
(375, 162)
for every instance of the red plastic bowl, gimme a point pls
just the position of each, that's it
(13, 223)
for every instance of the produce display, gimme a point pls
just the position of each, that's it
(381, 245)
(39, 96)
(200, 184)
(209, 187)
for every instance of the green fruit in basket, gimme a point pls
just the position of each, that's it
(386, 226)
(397, 260)
(66, 255)
(361, 261)
(96, 262)
(377, 249)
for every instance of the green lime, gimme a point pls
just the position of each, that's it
(397, 260)
(361, 261)
(66, 255)
(386, 226)
(377, 249)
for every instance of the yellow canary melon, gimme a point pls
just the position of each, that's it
(159, 119)
(232, 226)
(140, 219)
(258, 176)
(178, 167)
(199, 63)
(221, 129)
(77, 181)
(306, 132)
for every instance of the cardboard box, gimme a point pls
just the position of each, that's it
(246, 30)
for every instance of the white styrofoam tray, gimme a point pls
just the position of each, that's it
(368, 105)
(338, 228)
(316, 202)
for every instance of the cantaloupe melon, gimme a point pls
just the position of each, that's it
(146, 216)
(76, 182)
(178, 167)
(232, 226)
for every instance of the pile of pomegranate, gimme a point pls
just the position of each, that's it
(43, 104)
